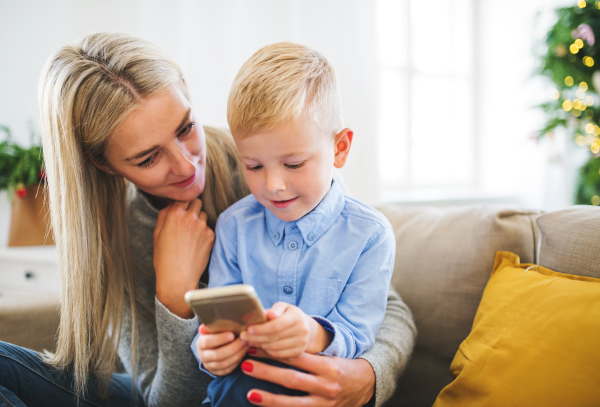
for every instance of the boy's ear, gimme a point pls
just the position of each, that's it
(101, 167)
(343, 141)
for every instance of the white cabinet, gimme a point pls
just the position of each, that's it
(28, 270)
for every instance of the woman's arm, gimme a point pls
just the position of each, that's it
(166, 372)
(334, 381)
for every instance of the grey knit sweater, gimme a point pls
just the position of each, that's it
(167, 373)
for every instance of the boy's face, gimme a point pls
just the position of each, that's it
(289, 169)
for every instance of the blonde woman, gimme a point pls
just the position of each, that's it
(136, 185)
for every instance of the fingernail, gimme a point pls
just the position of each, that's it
(252, 351)
(257, 398)
(248, 367)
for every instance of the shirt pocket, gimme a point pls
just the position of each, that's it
(320, 295)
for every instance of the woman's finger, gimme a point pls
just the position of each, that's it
(263, 398)
(195, 206)
(286, 377)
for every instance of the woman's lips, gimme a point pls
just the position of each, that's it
(185, 182)
(283, 204)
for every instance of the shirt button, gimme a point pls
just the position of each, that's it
(292, 245)
(288, 290)
(311, 236)
(276, 236)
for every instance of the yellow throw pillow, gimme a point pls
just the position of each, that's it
(535, 341)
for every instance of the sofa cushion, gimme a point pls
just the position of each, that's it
(534, 341)
(571, 240)
(444, 257)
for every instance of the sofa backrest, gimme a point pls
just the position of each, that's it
(571, 241)
(444, 257)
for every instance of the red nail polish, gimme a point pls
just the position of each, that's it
(252, 351)
(257, 398)
(247, 367)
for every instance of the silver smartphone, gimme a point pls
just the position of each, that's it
(229, 308)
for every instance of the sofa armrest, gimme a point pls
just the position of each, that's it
(29, 321)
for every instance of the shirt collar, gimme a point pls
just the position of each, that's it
(315, 223)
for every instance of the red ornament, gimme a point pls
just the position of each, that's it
(42, 174)
(21, 191)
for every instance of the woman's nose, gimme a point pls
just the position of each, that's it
(274, 182)
(184, 163)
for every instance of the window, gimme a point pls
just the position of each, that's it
(427, 103)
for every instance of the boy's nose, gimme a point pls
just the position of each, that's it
(274, 182)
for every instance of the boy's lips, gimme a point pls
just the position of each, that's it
(283, 204)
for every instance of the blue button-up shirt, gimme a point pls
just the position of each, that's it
(335, 263)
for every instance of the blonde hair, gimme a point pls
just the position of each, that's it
(278, 84)
(86, 90)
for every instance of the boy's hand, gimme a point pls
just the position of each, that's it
(220, 353)
(287, 333)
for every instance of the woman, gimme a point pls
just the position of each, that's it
(115, 111)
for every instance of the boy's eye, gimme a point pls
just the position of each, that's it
(253, 167)
(295, 166)
(186, 130)
(148, 161)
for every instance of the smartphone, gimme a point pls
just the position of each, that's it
(229, 308)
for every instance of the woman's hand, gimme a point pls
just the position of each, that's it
(182, 245)
(287, 333)
(330, 381)
(220, 353)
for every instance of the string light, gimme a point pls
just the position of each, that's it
(576, 112)
(589, 128)
(589, 114)
(569, 81)
(583, 86)
(588, 61)
(589, 139)
(577, 104)
(574, 49)
(580, 93)
(582, 3)
(580, 140)
(555, 94)
(596, 131)
(589, 100)
(578, 43)
(598, 5)
(596, 200)
(595, 148)
(567, 105)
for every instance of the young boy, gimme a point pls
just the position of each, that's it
(321, 261)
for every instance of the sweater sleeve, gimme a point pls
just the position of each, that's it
(393, 346)
(166, 372)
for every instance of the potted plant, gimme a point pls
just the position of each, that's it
(22, 175)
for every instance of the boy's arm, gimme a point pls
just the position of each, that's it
(355, 319)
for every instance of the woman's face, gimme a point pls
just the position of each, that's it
(160, 148)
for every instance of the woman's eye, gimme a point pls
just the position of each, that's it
(253, 167)
(186, 130)
(295, 166)
(148, 161)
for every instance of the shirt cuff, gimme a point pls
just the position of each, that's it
(337, 346)
(195, 352)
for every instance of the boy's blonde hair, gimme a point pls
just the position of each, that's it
(278, 84)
